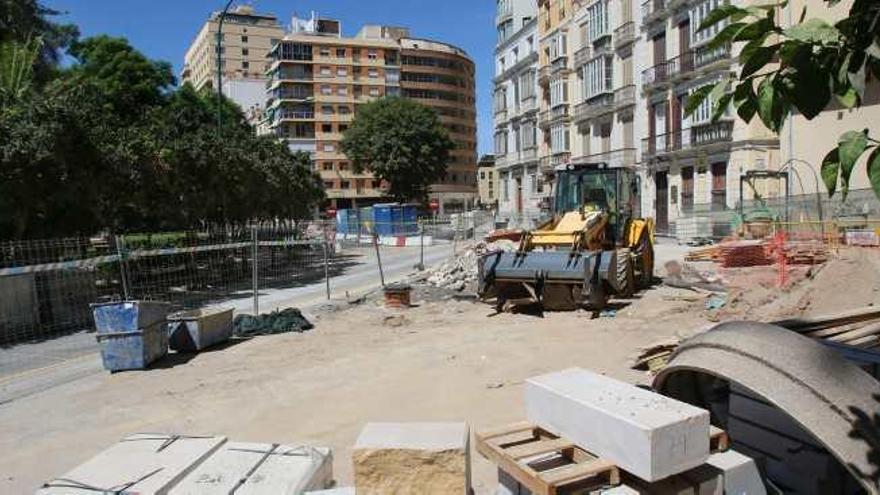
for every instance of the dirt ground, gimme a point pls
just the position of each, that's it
(444, 360)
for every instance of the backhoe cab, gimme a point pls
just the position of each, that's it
(592, 247)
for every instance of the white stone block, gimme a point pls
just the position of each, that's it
(646, 434)
(257, 468)
(412, 458)
(741, 476)
(144, 463)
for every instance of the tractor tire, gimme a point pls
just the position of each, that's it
(643, 255)
(625, 279)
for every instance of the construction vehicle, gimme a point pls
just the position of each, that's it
(591, 248)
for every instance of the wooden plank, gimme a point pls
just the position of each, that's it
(834, 319)
(577, 472)
(536, 448)
(860, 333)
(505, 430)
(520, 472)
(719, 441)
(830, 331)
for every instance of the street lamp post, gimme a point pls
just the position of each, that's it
(220, 66)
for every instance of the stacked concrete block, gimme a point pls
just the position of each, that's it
(256, 468)
(142, 463)
(646, 434)
(412, 458)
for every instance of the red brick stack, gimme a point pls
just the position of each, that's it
(743, 253)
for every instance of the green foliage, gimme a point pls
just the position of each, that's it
(401, 142)
(108, 144)
(24, 20)
(803, 69)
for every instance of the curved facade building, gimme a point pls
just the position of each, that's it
(441, 76)
(318, 79)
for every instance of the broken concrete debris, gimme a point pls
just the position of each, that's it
(460, 272)
(412, 458)
(646, 434)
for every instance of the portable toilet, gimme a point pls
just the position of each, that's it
(342, 221)
(397, 219)
(383, 218)
(410, 218)
(365, 216)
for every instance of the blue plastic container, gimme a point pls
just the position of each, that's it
(383, 218)
(365, 217)
(128, 316)
(341, 221)
(133, 350)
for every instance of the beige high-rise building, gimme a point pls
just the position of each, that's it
(248, 37)
(319, 78)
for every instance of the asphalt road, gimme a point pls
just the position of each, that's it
(32, 367)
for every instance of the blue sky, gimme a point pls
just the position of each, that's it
(163, 29)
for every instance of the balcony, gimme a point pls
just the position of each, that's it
(501, 114)
(622, 157)
(544, 119)
(583, 55)
(653, 10)
(528, 104)
(689, 64)
(559, 158)
(294, 115)
(559, 112)
(625, 96)
(624, 35)
(690, 139)
(596, 106)
(559, 65)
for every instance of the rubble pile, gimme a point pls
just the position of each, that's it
(460, 272)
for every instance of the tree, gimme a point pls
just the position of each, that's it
(401, 142)
(25, 21)
(802, 68)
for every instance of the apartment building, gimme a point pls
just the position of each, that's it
(691, 166)
(516, 102)
(487, 181)
(246, 40)
(318, 78)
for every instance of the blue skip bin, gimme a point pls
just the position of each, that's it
(128, 316)
(132, 334)
(133, 350)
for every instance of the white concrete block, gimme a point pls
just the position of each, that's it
(142, 463)
(412, 458)
(741, 476)
(646, 434)
(256, 468)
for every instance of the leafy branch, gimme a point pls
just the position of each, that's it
(801, 68)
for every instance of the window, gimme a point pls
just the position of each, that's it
(325, 52)
(329, 147)
(340, 53)
(697, 14)
(558, 92)
(341, 72)
(245, 52)
(344, 184)
(533, 183)
(528, 134)
(245, 65)
(273, 42)
(373, 73)
(344, 110)
(327, 166)
(327, 110)
(500, 99)
(598, 17)
(372, 54)
(530, 42)
(328, 184)
(482, 175)
(326, 90)
(558, 46)
(500, 143)
(325, 71)
(341, 91)
(505, 30)
(244, 39)
(505, 188)
(326, 128)
(559, 138)
(597, 76)
(703, 113)
(527, 85)
(374, 92)
(343, 127)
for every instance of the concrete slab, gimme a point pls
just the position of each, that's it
(412, 458)
(251, 468)
(143, 463)
(741, 476)
(646, 434)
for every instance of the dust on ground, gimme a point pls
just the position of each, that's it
(449, 358)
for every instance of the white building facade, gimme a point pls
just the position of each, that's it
(518, 136)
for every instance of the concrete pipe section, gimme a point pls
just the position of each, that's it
(809, 417)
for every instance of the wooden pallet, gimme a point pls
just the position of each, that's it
(543, 462)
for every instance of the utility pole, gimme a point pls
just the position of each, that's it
(220, 66)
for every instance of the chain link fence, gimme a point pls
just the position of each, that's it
(758, 218)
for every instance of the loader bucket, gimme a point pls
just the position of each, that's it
(555, 279)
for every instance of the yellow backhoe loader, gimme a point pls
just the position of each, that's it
(591, 249)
